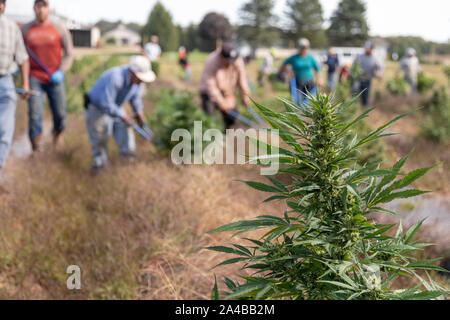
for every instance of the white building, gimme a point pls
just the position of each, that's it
(122, 36)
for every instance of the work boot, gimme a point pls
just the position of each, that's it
(127, 158)
(57, 140)
(36, 144)
(96, 170)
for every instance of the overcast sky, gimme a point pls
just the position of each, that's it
(427, 18)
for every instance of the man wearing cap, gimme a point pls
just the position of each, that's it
(410, 66)
(49, 45)
(152, 49)
(369, 68)
(224, 71)
(303, 64)
(12, 52)
(104, 114)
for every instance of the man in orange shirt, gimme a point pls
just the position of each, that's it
(50, 47)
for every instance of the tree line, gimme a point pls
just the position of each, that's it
(259, 27)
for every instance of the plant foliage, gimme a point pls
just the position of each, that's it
(424, 83)
(436, 125)
(397, 86)
(178, 110)
(326, 245)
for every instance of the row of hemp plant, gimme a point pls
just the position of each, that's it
(326, 245)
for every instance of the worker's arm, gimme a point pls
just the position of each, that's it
(106, 100)
(243, 83)
(25, 75)
(21, 57)
(138, 107)
(67, 46)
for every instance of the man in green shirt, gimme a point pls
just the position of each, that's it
(303, 66)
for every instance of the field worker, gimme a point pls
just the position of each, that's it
(184, 63)
(332, 64)
(152, 49)
(303, 66)
(12, 52)
(104, 113)
(224, 71)
(49, 45)
(410, 66)
(369, 68)
(344, 73)
(267, 67)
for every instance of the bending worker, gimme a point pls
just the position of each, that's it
(224, 71)
(104, 115)
(303, 64)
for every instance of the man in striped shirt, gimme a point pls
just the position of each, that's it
(12, 53)
(50, 47)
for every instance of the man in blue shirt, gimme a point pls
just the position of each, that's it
(303, 64)
(104, 114)
(332, 63)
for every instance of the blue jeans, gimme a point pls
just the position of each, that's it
(100, 126)
(365, 85)
(8, 100)
(331, 80)
(56, 94)
(412, 84)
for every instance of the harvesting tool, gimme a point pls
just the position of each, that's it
(243, 119)
(255, 116)
(19, 90)
(294, 93)
(142, 132)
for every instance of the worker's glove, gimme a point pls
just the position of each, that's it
(57, 77)
(139, 117)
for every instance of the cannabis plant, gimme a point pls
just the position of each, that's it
(397, 86)
(424, 83)
(178, 110)
(327, 245)
(436, 124)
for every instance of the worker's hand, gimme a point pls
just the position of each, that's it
(57, 77)
(139, 117)
(246, 101)
(127, 120)
(320, 83)
(226, 107)
(26, 92)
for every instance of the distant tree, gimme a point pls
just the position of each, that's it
(160, 24)
(106, 26)
(257, 19)
(189, 37)
(348, 24)
(305, 19)
(214, 27)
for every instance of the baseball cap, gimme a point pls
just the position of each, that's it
(229, 52)
(411, 52)
(303, 43)
(369, 45)
(142, 68)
